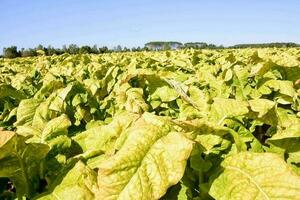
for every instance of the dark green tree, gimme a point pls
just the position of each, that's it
(118, 48)
(85, 49)
(73, 49)
(95, 49)
(166, 46)
(11, 52)
(103, 49)
(28, 52)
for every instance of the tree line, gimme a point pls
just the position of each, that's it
(267, 45)
(13, 51)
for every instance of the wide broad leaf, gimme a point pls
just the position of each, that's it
(287, 135)
(263, 110)
(55, 127)
(26, 111)
(20, 162)
(9, 91)
(150, 161)
(256, 176)
(222, 108)
(80, 183)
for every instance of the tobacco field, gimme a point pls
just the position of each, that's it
(186, 124)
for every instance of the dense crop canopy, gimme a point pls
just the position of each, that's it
(191, 124)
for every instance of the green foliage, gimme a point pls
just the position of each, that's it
(11, 52)
(256, 176)
(266, 45)
(189, 124)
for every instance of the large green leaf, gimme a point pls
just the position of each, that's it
(21, 162)
(26, 111)
(9, 91)
(151, 159)
(288, 137)
(283, 87)
(255, 176)
(55, 127)
(131, 99)
(287, 134)
(80, 183)
(102, 138)
(223, 108)
(264, 110)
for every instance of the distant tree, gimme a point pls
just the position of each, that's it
(125, 49)
(64, 49)
(136, 49)
(11, 52)
(195, 45)
(162, 45)
(85, 49)
(51, 51)
(40, 47)
(212, 46)
(40, 50)
(73, 49)
(166, 46)
(145, 49)
(266, 45)
(201, 45)
(59, 51)
(95, 49)
(103, 49)
(28, 52)
(118, 48)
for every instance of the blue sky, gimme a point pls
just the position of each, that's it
(135, 22)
